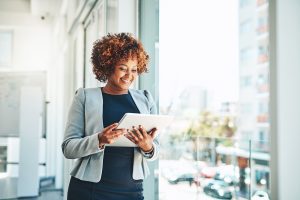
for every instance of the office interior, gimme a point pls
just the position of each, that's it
(249, 150)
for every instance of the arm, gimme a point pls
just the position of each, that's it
(76, 144)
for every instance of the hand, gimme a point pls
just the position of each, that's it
(140, 137)
(110, 134)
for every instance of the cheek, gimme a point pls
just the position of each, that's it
(119, 74)
(135, 76)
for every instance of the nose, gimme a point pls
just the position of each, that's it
(129, 72)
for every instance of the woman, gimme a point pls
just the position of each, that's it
(100, 171)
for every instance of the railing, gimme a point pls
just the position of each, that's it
(213, 168)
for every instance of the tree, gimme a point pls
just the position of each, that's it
(211, 125)
(208, 127)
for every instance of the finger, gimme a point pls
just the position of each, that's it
(110, 141)
(138, 133)
(153, 133)
(131, 139)
(110, 127)
(128, 135)
(115, 136)
(143, 131)
(119, 132)
(133, 135)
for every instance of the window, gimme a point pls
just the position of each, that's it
(261, 2)
(6, 38)
(262, 177)
(263, 51)
(246, 108)
(3, 159)
(263, 112)
(263, 107)
(244, 3)
(262, 22)
(202, 95)
(246, 81)
(195, 144)
(246, 55)
(112, 16)
(262, 83)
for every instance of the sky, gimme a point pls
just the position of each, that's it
(198, 45)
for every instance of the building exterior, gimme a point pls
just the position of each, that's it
(254, 89)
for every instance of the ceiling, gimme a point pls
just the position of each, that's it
(34, 7)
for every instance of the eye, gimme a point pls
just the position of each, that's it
(134, 70)
(123, 69)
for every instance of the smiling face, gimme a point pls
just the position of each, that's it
(125, 73)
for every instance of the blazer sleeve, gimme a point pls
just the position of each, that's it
(76, 144)
(153, 110)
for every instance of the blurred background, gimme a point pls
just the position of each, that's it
(227, 70)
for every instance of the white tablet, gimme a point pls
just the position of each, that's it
(146, 120)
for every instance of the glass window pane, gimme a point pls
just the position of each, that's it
(214, 78)
(5, 48)
(112, 16)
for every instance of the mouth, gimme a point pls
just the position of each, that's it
(125, 80)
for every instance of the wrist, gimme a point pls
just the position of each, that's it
(101, 144)
(148, 150)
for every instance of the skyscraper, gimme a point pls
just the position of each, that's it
(254, 88)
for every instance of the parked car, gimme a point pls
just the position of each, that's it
(182, 178)
(209, 172)
(229, 179)
(217, 190)
(260, 195)
(178, 171)
(228, 174)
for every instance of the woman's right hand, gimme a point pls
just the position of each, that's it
(110, 134)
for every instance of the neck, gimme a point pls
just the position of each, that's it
(111, 89)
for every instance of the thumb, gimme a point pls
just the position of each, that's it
(153, 133)
(111, 127)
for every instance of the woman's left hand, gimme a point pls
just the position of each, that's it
(140, 137)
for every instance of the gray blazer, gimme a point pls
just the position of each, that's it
(85, 122)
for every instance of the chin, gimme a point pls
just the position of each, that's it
(123, 87)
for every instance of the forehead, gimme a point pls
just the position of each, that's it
(128, 63)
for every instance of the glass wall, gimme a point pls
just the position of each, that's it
(214, 79)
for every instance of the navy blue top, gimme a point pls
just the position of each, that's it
(115, 106)
(118, 161)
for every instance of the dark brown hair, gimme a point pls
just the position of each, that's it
(114, 48)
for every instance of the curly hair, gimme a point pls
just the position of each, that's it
(115, 48)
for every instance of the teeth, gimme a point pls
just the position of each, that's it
(127, 81)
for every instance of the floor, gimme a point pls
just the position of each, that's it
(49, 195)
(8, 191)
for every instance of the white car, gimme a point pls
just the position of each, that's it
(260, 195)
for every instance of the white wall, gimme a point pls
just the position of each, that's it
(285, 98)
(31, 40)
(32, 48)
(32, 51)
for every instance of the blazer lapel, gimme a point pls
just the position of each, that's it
(139, 101)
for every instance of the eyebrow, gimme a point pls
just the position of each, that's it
(127, 65)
